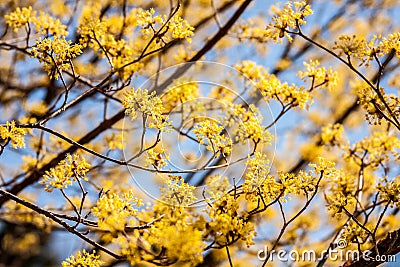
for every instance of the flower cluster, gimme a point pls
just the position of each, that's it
(248, 124)
(97, 34)
(217, 186)
(323, 166)
(68, 170)
(357, 47)
(150, 105)
(390, 42)
(338, 202)
(11, 133)
(180, 29)
(390, 190)
(374, 150)
(187, 245)
(272, 88)
(147, 20)
(211, 134)
(320, 77)
(113, 211)
(332, 134)
(227, 224)
(47, 25)
(177, 192)
(341, 194)
(55, 54)
(44, 23)
(290, 17)
(83, 259)
(157, 157)
(91, 29)
(174, 28)
(258, 182)
(302, 183)
(351, 45)
(375, 107)
(181, 93)
(124, 56)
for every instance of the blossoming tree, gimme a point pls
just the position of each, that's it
(198, 133)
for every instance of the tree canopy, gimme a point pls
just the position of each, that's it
(199, 133)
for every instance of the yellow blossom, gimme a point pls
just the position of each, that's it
(272, 88)
(20, 17)
(376, 149)
(177, 192)
(68, 170)
(319, 75)
(248, 124)
(390, 191)
(227, 224)
(302, 183)
(83, 259)
(182, 92)
(157, 157)
(45, 24)
(211, 134)
(114, 211)
(354, 233)
(55, 54)
(258, 182)
(287, 18)
(338, 202)
(332, 134)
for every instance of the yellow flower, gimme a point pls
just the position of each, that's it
(114, 141)
(227, 224)
(180, 28)
(248, 124)
(157, 158)
(150, 105)
(272, 88)
(114, 211)
(66, 171)
(10, 132)
(287, 18)
(83, 259)
(20, 17)
(182, 92)
(354, 233)
(351, 45)
(258, 182)
(390, 190)
(177, 192)
(44, 23)
(211, 134)
(319, 75)
(55, 54)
